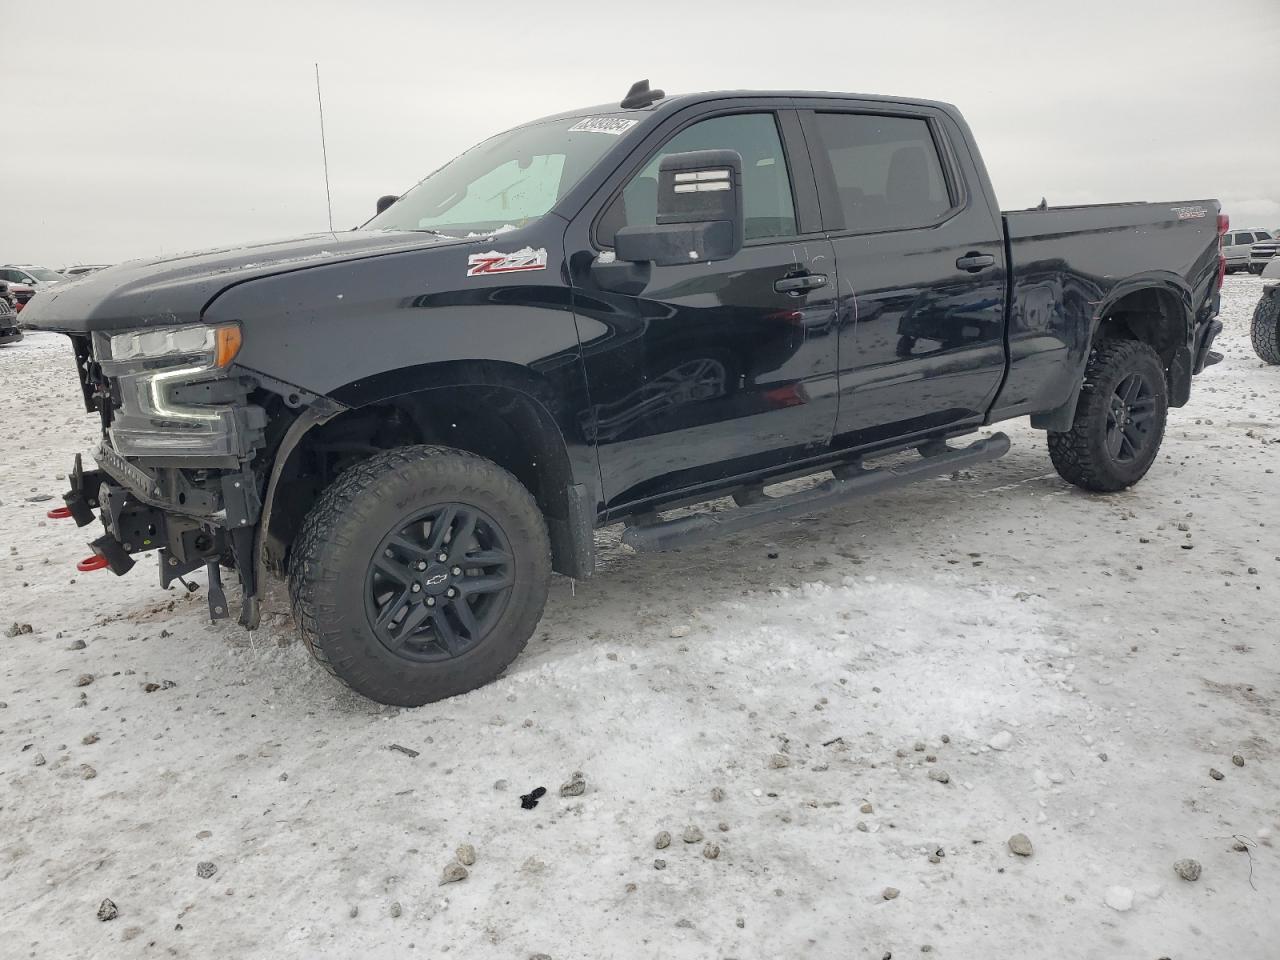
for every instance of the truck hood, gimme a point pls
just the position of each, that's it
(177, 289)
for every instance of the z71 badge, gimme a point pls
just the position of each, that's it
(484, 264)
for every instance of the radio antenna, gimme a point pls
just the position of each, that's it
(324, 152)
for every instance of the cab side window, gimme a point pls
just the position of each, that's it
(887, 170)
(767, 203)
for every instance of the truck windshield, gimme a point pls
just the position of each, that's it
(507, 181)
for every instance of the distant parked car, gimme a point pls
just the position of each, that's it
(21, 293)
(31, 276)
(10, 332)
(1236, 245)
(80, 269)
(1263, 250)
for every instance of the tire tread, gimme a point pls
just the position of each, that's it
(1264, 329)
(1076, 452)
(314, 560)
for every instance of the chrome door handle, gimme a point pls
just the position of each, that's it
(799, 284)
(973, 262)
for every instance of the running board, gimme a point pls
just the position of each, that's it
(848, 481)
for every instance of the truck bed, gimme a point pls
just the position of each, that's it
(1068, 264)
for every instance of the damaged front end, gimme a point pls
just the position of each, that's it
(179, 464)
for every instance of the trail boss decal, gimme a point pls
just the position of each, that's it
(614, 126)
(484, 264)
(1190, 213)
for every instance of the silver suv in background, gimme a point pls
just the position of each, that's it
(1263, 250)
(1236, 245)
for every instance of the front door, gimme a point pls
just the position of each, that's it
(922, 275)
(713, 370)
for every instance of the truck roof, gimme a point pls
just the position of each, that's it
(669, 104)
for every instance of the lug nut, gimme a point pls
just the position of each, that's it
(422, 564)
(431, 601)
(442, 557)
(416, 587)
(456, 571)
(451, 592)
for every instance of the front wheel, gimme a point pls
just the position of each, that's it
(1265, 328)
(1119, 420)
(420, 574)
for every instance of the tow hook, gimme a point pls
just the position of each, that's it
(59, 513)
(94, 562)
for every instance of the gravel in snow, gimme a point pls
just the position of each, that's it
(784, 668)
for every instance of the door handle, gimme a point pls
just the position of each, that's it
(799, 284)
(973, 262)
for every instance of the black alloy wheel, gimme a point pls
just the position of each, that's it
(438, 584)
(1130, 418)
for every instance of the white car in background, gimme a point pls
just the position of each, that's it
(36, 277)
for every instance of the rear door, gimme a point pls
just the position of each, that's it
(920, 254)
(713, 370)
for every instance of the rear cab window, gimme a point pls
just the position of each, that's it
(887, 169)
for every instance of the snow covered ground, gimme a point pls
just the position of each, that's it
(818, 676)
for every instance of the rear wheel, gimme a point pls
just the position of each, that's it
(420, 574)
(1265, 328)
(1120, 418)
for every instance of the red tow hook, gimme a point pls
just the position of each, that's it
(94, 562)
(59, 513)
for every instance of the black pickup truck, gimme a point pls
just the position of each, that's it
(597, 317)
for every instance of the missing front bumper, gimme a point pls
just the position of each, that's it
(140, 514)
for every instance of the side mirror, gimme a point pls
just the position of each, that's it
(699, 212)
(384, 202)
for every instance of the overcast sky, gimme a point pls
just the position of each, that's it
(141, 128)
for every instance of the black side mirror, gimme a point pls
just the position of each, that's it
(384, 202)
(699, 212)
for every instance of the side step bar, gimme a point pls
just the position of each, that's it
(848, 481)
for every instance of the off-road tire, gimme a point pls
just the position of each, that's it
(335, 548)
(1080, 455)
(1265, 328)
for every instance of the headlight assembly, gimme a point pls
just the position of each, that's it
(171, 385)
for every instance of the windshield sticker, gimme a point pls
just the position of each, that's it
(484, 264)
(614, 126)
